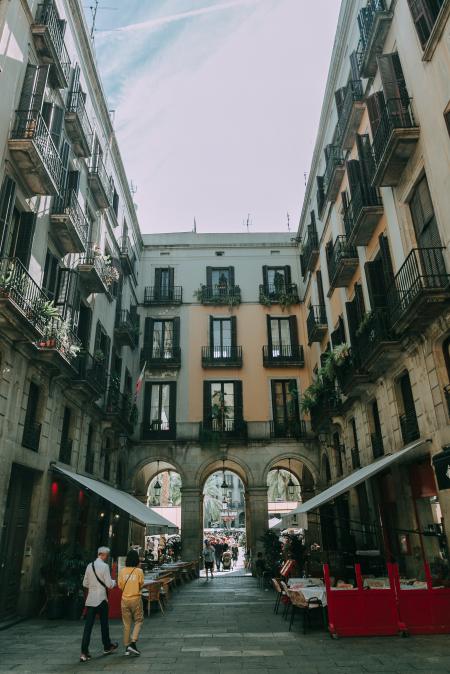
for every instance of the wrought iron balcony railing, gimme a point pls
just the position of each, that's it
(334, 172)
(126, 329)
(67, 204)
(29, 126)
(78, 125)
(220, 294)
(362, 215)
(373, 20)
(311, 248)
(343, 261)
(409, 426)
(221, 356)
(422, 282)
(377, 445)
(163, 295)
(350, 373)
(158, 429)
(60, 339)
(91, 372)
(65, 450)
(283, 354)
(328, 405)
(284, 293)
(31, 435)
(127, 255)
(100, 182)
(161, 357)
(316, 323)
(48, 32)
(347, 122)
(223, 429)
(397, 114)
(373, 334)
(288, 428)
(20, 293)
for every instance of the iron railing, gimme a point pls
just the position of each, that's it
(288, 428)
(375, 329)
(356, 458)
(91, 370)
(409, 426)
(47, 15)
(328, 404)
(76, 105)
(283, 353)
(310, 245)
(376, 441)
(366, 22)
(354, 92)
(396, 114)
(214, 356)
(97, 168)
(30, 125)
(58, 336)
(316, 321)
(349, 368)
(17, 285)
(161, 356)
(340, 251)
(423, 270)
(220, 294)
(163, 295)
(117, 403)
(275, 292)
(125, 321)
(68, 204)
(361, 198)
(31, 435)
(216, 429)
(100, 264)
(65, 450)
(334, 160)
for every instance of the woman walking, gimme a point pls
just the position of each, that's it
(209, 554)
(131, 582)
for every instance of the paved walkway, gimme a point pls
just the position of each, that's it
(222, 626)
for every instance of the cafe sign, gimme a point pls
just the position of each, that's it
(441, 464)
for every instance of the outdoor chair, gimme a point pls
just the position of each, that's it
(153, 594)
(280, 593)
(287, 599)
(304, 606)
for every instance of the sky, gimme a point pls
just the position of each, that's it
(217, 104)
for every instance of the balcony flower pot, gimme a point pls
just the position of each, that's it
(47, 343)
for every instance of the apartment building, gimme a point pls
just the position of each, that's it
(70, 248)
(374, 236)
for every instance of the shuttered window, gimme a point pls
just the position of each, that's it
(422, 212)
(424, 14)
(33, 88)
(19, 239)
(285, 401)
(222, 405)
(50, 280)
(159, 409)
(7, 200)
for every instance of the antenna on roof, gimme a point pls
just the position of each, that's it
(94, 10)
(288, 221)
(248, 223)
(195, 226)
(133, 188)
(305, 175)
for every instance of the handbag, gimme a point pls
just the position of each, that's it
(98, 579)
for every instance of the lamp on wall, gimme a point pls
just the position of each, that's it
(291, 484)
(157, 485)
(224, 486)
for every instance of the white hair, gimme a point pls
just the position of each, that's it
(103, 550)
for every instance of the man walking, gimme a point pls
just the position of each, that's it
(97, 580)
(218, 547)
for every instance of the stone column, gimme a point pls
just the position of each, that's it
(191, 522)
(257, 517)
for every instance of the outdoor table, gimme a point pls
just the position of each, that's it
(305, 582)
(310, 592)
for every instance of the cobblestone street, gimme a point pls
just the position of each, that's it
(222, 626)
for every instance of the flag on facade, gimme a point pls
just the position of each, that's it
(139, 383)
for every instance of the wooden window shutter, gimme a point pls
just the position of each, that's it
(75, 81)
(231, 276)
(73, 182)
(238, 401)
(171, 277)
(392, 78)
(33, 88)
(354, 66)
(359, 301)
(269, 331)
(50, 278)
(302, 265)
(354, 177)
(66, 290)
(339, 97)
(265, 276)
(367, 166)
(287, 274)
(375, 106)
(375, 284)
(56, 125)
(147, 405)
(386, 259)
(344, 199)
(352, 320)
(172, 405)
(424, 14)
(7, 201)
(320, 292)
(65, 162)
(157, 280)
(211, 331)
(176, 331)
(341, 328)
(320, 194)
(207, 407)
(292, 408)
(209, 277)
(148, 336)
(233, 320)
(293, 328)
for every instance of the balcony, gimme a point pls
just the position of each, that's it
(90, 375)
(362, 216)
(100, 183)
(334, 172)
(21, 302)
(220, 294)
(343, 261)
(352, 377)
(328, 406)
(377, 346)
(65, 450)
(351, 114)
(284, 294)
(171, 295)
(118, 407)
(374, 21)
(356, 458)
(420, 289)
(394, 142)
(94, 272)
(221, 356)
(283, 355)
(127, 256)
(159, 430)
(223, 431)
(31, 435)
(310, 248)
(161, 357)
(59, 346)
(409, 427)
(33, 150)
(48, 36)
(126, 331)
(70, 227)
(316, 323)
(376, 441)
(289, 428)
(77, 124)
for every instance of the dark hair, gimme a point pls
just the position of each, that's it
(132, 558)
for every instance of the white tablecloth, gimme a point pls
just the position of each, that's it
(305, 582)
(309, 592)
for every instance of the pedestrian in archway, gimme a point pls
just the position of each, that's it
(209, 554)
(218, 546)
(97, 580)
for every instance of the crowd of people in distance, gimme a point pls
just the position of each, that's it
(220, 553)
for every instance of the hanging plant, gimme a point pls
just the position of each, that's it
(367, 319)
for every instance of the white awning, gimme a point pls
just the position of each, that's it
(358, 476)
(137, 510)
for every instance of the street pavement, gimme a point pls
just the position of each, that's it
(222, 626)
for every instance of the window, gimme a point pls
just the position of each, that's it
(285, 402)
(220, 279)
(283, 336)
(375, 430)
(276, 279)
(338, 451)
(424, 14)
(32, 429)
(222, 336)
(222, 402)
(423, 217)
(164, 278)
(65, 448)
(161, 338)
(89, 460)
(407, 409)
(159, 409)
(50, 280)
